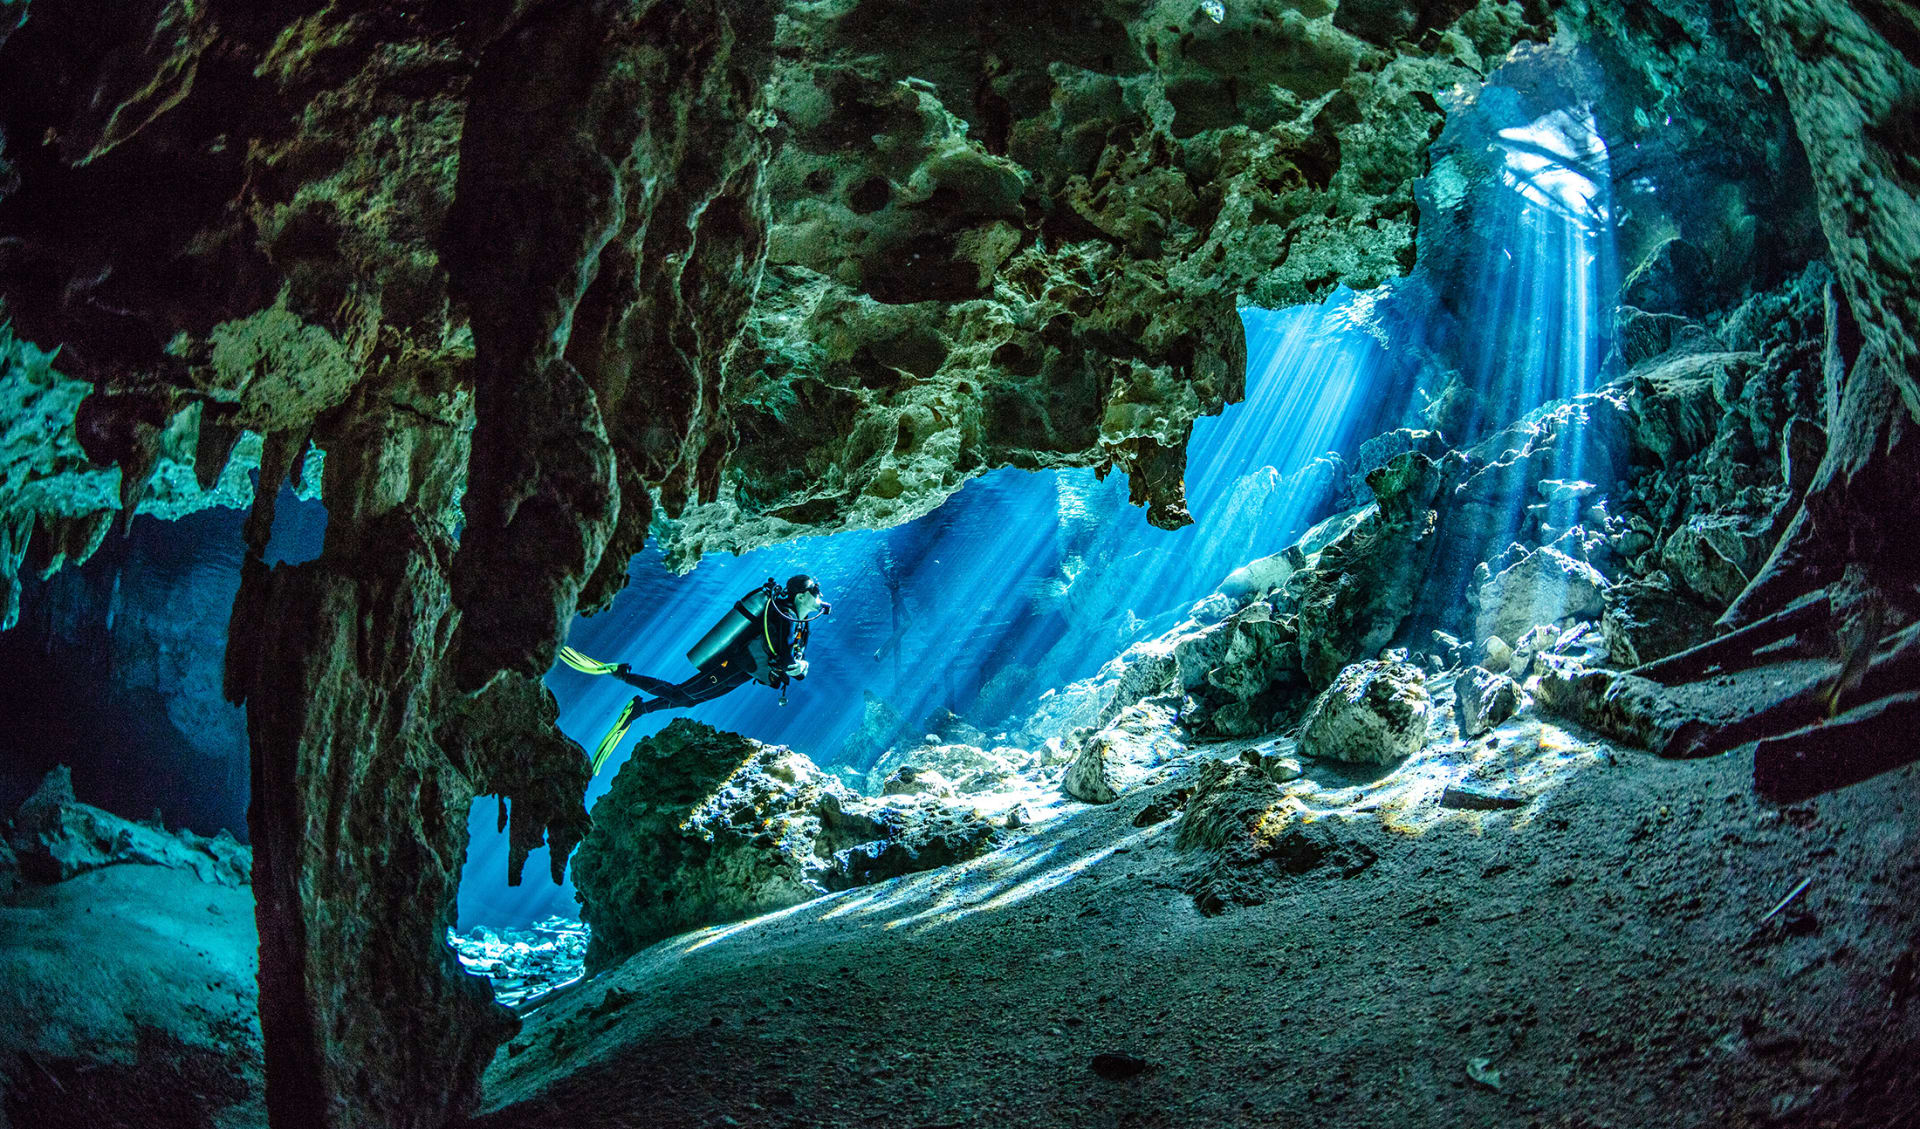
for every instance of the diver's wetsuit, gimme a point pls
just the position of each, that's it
(702, 687)
(776, 637)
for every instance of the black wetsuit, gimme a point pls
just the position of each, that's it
(776, 636)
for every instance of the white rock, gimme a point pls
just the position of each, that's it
(1117, 757)
(910, 781)
(1545, 586)
(1374, 713)
(1483, 699)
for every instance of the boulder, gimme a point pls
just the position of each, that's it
(56, 837)
(1543, 587)
(1626, 707)
(1279, 769)
(911, 838)
(1247, 844)
(703, 826)
(1483, 699)
(1536, 641)
(1714, 555)
(1647, 619)
(1498, 654)
(1119, 756)
(911, 780)
(967, 769)
(1145, 669)
(1375, 712)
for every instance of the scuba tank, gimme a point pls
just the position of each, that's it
(740, 620)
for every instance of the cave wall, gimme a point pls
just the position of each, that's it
(1851, 73)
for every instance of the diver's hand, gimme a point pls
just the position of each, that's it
(796, 669)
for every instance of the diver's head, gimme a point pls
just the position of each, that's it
(804, 593)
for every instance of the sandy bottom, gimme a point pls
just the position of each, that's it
(1602, 956)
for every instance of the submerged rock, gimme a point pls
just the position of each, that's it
(1359, 588)
(900, 839)
(524, 963)
(56, 837)
(1545, 586)
(1375, 712)
(944, 769)
(1119, 756)
(1250, 843)
(1622, 706)
(1648, 619)
(1483, 699)
(703, 826)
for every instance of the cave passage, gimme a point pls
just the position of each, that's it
(1022, 581)
(1029, 580)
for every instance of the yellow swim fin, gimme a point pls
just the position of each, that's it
(585, 665)
(612, 740)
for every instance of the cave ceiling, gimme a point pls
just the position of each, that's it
(974, 236)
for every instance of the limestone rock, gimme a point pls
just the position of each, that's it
(56, 837)
(1279, 769)
(1246, 844)
(1543, 587)
(1647, 619)
(703, 826)
(1242, 665)
(1378, 451)
(912, 780)
(1374, 713)
(912, 838)
(1117, 757)
(954, 768)
(880, 726)
(1497, 654)
(955, 242)
(1714, 556)
(1359, 588)
(1483, 699)
(1145, 669)
(1670, 280)
(1536, 641)
(1623, 706)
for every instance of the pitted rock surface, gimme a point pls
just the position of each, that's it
(704, 826)
(1374, 713)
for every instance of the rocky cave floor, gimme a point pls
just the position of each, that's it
(1602, 956)
(1213, 948)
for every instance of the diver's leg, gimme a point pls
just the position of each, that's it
(706, 687)
(658, 687)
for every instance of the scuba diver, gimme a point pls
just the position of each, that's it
(762, 638)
